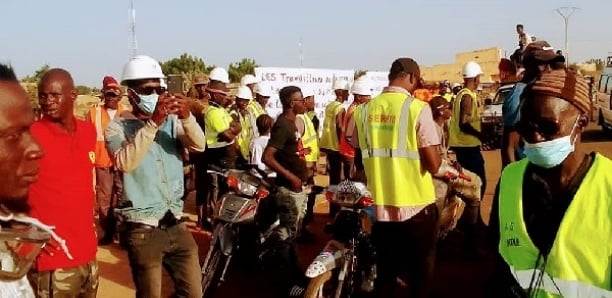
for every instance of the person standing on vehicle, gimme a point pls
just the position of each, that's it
(398, 141)
(65, 198)
(539, 57)
(145, 147)
(465, 137)
(332, 132)
(285, 155)
(552, 211)
(108, 178)
(221, 133)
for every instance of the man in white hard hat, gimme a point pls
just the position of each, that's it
(250, 81)
(145, 146)
(246, 119)
(465, 139)
(332, 132)
(362, 93)
(221, 133)
(262, 96)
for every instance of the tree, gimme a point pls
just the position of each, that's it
(237, 70)
(83, 90)
(599, 64)
(359, 73)
(185, 65)
(37, 75)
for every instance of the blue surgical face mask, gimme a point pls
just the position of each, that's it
(551, 153)
(147, 102)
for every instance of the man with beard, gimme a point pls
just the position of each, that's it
(108, 179)
(63, 195)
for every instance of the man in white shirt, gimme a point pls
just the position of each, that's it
(258, 144)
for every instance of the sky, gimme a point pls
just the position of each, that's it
(91, 38)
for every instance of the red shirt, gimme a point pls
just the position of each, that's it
(63, 196)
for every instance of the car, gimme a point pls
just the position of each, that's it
(491, 119)
(603, 93)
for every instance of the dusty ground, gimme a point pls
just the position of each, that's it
(456, 277)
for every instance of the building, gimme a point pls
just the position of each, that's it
(487, 58)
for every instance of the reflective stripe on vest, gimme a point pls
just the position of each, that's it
(578, 264)
(556, 286)
(458, 138)
(402, 150)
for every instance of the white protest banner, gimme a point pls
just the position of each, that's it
(318, 80)
(377, 80)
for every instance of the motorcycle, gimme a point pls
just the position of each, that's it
(346, 266)
(243, 216)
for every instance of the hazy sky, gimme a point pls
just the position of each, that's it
(90, 38)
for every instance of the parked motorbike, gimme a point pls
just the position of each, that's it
(246, 209)
(346, 266)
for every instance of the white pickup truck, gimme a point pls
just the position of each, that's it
(603, 101)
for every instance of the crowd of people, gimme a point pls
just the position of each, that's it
(128, 164)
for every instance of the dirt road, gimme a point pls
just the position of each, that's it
(456, 277)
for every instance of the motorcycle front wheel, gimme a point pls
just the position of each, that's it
(211, 274)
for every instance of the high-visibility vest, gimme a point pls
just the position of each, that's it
(255, 108)
(386, 127)
(212, 140)
(99, 118)
(448, 96)
(246, 134)
(329, 137)
(310, 139)
(345, 148)
(458, 138)
(579, 263)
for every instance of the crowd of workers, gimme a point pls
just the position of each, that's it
(395, 142)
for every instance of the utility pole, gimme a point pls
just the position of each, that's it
(566, 13)
(133, 44)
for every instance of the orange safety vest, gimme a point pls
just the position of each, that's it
(423, 94)
(345, 148)
(99, 118)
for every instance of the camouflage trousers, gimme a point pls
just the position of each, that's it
(291, 211)
(80, 281)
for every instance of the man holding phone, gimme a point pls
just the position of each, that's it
(145, 147)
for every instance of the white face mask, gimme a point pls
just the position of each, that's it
(550, 154)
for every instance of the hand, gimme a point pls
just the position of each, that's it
(161, 110)
(457, 166)
(296, 184)
(307, 150)
(177, 104)
(235, 127)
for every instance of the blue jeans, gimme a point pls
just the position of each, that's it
(173, 248)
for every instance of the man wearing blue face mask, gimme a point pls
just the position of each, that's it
(552, 212)
(145, 147)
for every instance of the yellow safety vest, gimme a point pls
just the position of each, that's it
(210, 116)
(579, 263)
(329, 137)
(386, 127)
(255, 108)
(458, 138)
(309, 139)
(246, 134)
(448, 97)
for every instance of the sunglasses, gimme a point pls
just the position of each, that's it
(111, 95)
(149, 90)
(547, 128)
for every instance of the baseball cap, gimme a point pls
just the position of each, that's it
(200, 79)
(406, 65)
(541, 51)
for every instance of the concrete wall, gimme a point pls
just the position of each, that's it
(487, 58)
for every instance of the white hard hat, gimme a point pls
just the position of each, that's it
(219, 74)
(244, 92)
(341, 84)
(306, 92)
(361, 88)
(141, 67)
(479, 88)
(163, 83)
(471, 70)
(263, 90)
(248, 79)
(455, 85)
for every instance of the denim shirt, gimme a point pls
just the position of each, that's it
(150, 158)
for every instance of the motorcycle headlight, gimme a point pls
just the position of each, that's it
(246, 188)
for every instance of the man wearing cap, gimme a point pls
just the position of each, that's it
(63, 195)
(257, 106)
(539, 57)
(221, 133)
(247, 121)
(250, 81)
(332, 132)
(145, 147)
(398, 141)
(552, 211)
(108, 178)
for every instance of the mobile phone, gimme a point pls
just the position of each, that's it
(175, 84)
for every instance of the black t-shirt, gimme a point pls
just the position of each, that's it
(285, 138)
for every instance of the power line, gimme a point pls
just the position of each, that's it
(566, 13)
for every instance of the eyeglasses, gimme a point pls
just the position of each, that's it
(547, 128)
(111, 95)
(149, 90)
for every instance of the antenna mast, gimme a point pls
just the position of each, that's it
(133, 44)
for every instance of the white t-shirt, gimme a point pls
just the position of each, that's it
(256, 150)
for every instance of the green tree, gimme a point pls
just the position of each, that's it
(186, 65)
(359, 73)
(83, 90)
(35, 78)
(237, 70)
